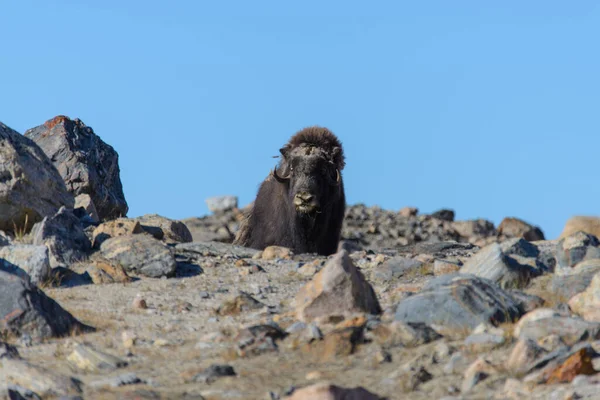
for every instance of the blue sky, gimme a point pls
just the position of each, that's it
(491, 110)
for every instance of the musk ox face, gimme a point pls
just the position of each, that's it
(310, 176)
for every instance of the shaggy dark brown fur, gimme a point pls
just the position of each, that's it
(301, 204)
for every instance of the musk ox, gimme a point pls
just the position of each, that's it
(301, 203)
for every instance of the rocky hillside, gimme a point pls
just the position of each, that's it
(96, 305)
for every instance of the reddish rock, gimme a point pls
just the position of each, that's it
(579, 363)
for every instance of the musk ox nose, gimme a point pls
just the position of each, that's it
(305, 202)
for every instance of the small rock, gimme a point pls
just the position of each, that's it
(8, 351)
(105, 272)
(214, 372)
(581, 223)
(412, 379)
(43, 382)
(85, 203)
(444, 267)
(26, 260)
(477, 372)
(128, 339)
(165, 229)
(139, 303)
(241, 303)
(115, 228)
(457, 363)
(587, 303)
(575, 248)
(63, 235)
(523, 355)
(258, 339)
(338, 289)
(580, 363)
(570, 330)
(398, 333)
(408, 212)
(141, 254)
(222, 203)
(480, 342)
(327, 391)
(398, 267)
(515, 227)
(491, 263)
(444, 215)
(89, 359)
(276, 252)
(121, 380)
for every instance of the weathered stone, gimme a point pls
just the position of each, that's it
(408, 212)
(580, 363)
(587, 303)
(258, 339)
(89, 359)
(515, 227)
(454, 305)
(85, 162)
(569, 330)
(444, 215)
(395, 268)
(222, 203)
(477, 372)
(552, 364)
(569, 282)
(276, 252)
(526, 301)
(480, 342)
(581, 223)
(196, 251)
(525, 352)
(491, 263)
(129, 378)
(535, 315)
(338, 289)
(26, 260)
(8, 351)
(212, 373)
(141, 254)
(85, 205)
(24, 309)
(327, 391)
(398, 333)
(62, 234)
(30, 186)
(165, 229)
(472, 229)
(105, 271)
(115, 228)
(575, 248)
(445, 267)
(43, 382)
(338, 343)
(239, 304)
(413, 378)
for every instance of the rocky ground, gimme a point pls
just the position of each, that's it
(412, 306)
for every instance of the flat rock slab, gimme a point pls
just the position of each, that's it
(25, 309)
(43, 382)
(570, 330)
(454, 305)
(140, 254)
(198, 250)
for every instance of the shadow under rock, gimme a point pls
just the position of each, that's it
(187, 270)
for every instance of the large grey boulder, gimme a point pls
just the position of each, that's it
(63, 235)
(85, 162)
(454, 305)
(30, 186)
(25, 309)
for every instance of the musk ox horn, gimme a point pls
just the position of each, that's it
(281, 179)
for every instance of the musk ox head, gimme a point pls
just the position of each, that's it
(310, 168)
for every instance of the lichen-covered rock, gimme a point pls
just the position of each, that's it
(27, 261)
(140, 254)
(63, 235)
(581, 223)
(338, 289)
(85, 162)
(116, 227)
(85, 203)
(587, 303)
(30, 186)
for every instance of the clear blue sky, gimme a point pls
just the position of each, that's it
(491, 110)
